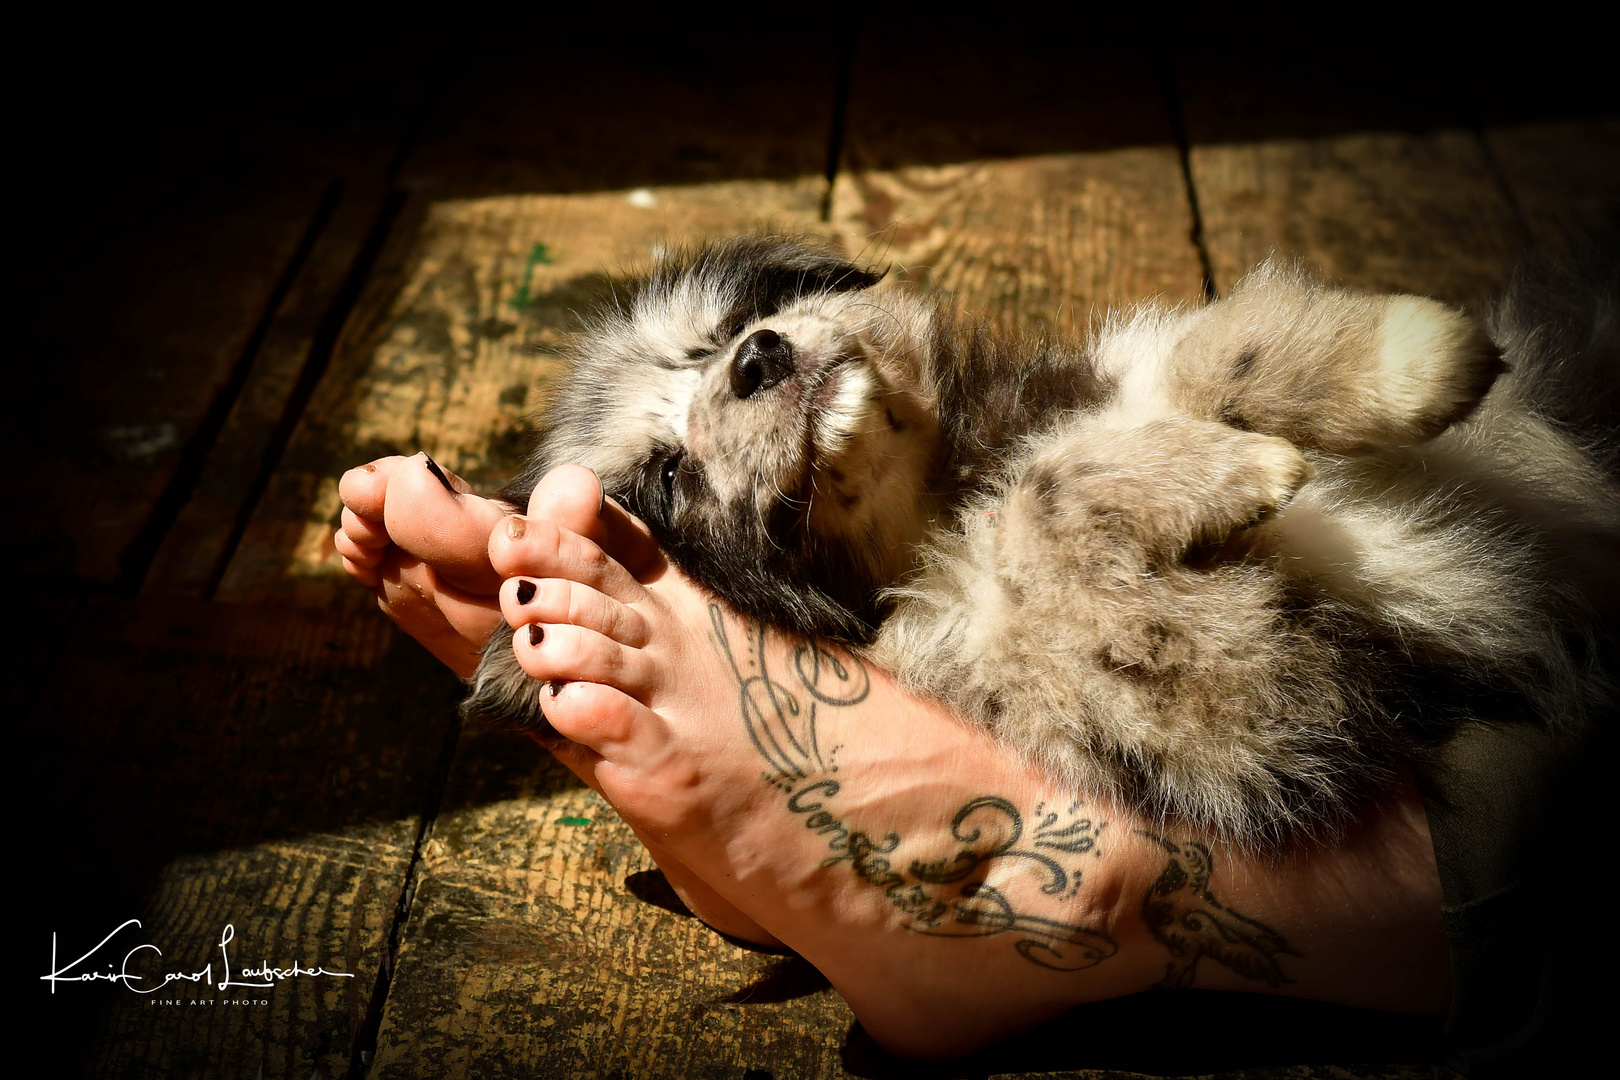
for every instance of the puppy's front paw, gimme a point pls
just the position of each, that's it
(1432, 367)
(1159, 490)
(1261, 475)
(1330, 369)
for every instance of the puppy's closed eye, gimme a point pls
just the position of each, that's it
(659, 488)
(668, 472)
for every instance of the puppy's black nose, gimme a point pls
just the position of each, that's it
(762, 361)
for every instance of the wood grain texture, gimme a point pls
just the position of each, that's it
(326, 903)
(1564, 176)
(190, 557)
(1031, 171)
(457, 329)
(168, 202)
(1382, 211)
(125, 385)
(196, 765)
(529, 953)
(1037, 244)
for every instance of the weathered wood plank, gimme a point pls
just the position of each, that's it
(325, 904)
(1564, 176)
(173, 302)
(1357, 160)
(193, 550)
(1034, 244)
(1031, 174)
(165, 226)
(528, 952)
(204, 765)
(1383, 211)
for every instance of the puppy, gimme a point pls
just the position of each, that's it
(1232, 563)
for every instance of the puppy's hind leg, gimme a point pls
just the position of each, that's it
(1330, 369)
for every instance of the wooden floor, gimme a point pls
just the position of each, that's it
(252, 272)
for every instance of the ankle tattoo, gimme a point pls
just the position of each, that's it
(944, 897)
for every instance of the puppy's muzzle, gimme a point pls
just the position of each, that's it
(762, 361)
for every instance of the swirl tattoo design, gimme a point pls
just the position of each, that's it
(947, 897)
(1184, 916)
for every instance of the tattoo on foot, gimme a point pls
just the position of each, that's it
(1185, 917)
(947, 897)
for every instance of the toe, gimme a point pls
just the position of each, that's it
(365, 575)
(446, 528)
(575, 654)
(595, 716)
(538, 548)
(452, 624)
(364, 489)
(365, 558)
(364, 532)
(557, 600)
(571, 496)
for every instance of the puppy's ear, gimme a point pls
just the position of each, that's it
(775, 270)
(808, 271)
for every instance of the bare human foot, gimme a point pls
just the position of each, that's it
(950, 891)
(420, 538)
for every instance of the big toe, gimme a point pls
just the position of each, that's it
(571, 496)
(364, 488)
(444, 527)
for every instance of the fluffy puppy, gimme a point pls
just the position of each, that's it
(1233, 563)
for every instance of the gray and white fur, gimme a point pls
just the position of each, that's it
(1233, 563)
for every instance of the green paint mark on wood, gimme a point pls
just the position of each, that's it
(573, 821)
(538, 256)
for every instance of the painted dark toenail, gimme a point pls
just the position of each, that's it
(525, 591)
(438, 474)
(601, 494)
(515, 527)
(369, 468)
(554, 687)
(536, 635)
